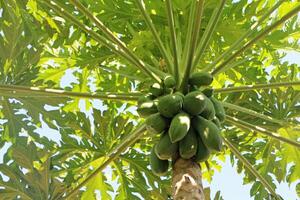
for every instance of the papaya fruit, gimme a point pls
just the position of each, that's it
(220, 111)
(194, 102)
(179, 127)
(156, 89)
(202, 153)
(193, 88)
(209, 110)
(188, 145)
(209, 133)
(168, 91)
(147, 108)
(169, 81)
(179, 94)
(169, 105)
(201, 79)
(216, 121)
(209, 92)
(144, 98)
(156, 123)
(165, 149)
(159, 167)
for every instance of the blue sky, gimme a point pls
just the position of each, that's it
(228, 181)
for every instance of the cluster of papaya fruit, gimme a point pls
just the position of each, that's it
(189, 124)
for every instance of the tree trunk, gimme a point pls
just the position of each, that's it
(187, 181)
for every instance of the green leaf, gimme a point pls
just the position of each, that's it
(298, 189)
(218, 196)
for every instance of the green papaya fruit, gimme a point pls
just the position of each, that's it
(220, 111)
(193, 88)
(159, 167)
(209, 110)
(188, 145)
(156, 89)
(169, 105)
(179, 127)
(201, 79)
(168, 91)
(165, 149)
(156, 123)
(209, 133)
(202, 153)
(144, 98)
(216, 121)
(209, 92)
(179, 94)
(194, 102)
(169, 81)
(147, 108)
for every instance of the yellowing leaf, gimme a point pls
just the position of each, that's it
(296, 87)
(286, 7)
(291, 153)
(97, 183)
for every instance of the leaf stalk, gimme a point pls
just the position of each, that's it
(193, 44)
(265, 86)
(154, 32)
(253, 113)
(261, 35)
(245, 125)
(48, 92)
(171, 23)
(210, 29)
(246, 35)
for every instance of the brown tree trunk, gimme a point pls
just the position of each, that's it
(187, 181)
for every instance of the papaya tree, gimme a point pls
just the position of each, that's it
(141, 99)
